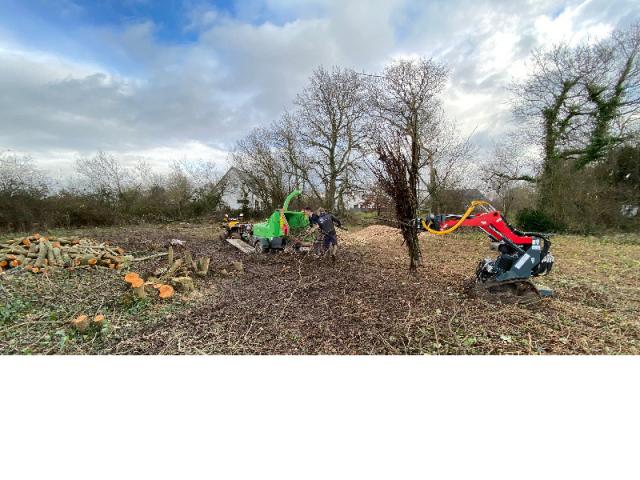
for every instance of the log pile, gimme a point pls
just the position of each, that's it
(37, 254)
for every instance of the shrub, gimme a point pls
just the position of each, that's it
(531, 220)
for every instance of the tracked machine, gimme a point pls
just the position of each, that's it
(521, 255)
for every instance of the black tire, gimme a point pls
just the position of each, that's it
(259, 247)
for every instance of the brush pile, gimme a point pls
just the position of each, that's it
(36, 253)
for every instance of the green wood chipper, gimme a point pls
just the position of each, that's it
(283, 228)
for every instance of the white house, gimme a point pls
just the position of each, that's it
(236, 190)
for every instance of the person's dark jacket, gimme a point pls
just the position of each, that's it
(313, 219)
(327, 223)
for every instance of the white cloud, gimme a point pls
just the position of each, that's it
(159, 101)
(568, 26)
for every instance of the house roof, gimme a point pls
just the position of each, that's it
(241, 175)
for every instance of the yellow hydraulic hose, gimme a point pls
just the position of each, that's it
(474, 204)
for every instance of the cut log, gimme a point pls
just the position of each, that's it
(202, 266)
(42, 253)
(80, 323)
(98, 320)
(169, 273)
(57, 256)
(60, 252)
(88, 260)
(170, 255)
(183, 284)
(50, 257)
(188, 260)
(131, 277)
(138, 288)
(166, 291)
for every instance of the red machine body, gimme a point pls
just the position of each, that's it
(492, 223)
(521, 255)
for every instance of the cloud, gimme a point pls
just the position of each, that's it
(122, 89)
(486, 46)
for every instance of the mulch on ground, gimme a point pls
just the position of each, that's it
(364, 303)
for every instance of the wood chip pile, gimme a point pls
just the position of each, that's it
(377, 232)
(36, 254)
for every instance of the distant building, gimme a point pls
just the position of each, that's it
(237, 191)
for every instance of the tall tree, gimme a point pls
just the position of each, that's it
(264, 170)
(293, 155)
(105, 175)
(331, 119)
(395, 173)
(552, 101)
(444, 154)
(507, 171)
(404, 103)
(613, 90)
(581, 102)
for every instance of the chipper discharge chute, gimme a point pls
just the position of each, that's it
(275, 233)
(522, 255)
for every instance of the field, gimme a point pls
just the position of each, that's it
(365, 303)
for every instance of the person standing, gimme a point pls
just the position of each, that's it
(327, 224)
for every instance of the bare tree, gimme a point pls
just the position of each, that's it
(580, 103)
(398, 177)
(405, 99)
(197, 183)
(445, 153)
(552, 101)
(330, 119)
(508, 169)
(104, 174)
(23, 191)
(19, 174)
(613, 90)
(406, 111)
(264, 170)
(201, 173)
(294, 157)
(179, 189)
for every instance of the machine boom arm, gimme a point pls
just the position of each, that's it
(522, 255)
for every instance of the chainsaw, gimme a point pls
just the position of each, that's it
(521, 255)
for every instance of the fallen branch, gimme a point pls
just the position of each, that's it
(149, 257)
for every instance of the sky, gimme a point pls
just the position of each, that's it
(169, 79)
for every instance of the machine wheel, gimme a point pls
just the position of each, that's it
(259, 247)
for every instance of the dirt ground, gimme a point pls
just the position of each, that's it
(365, 303)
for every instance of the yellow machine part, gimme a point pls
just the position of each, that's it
(472, 207)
